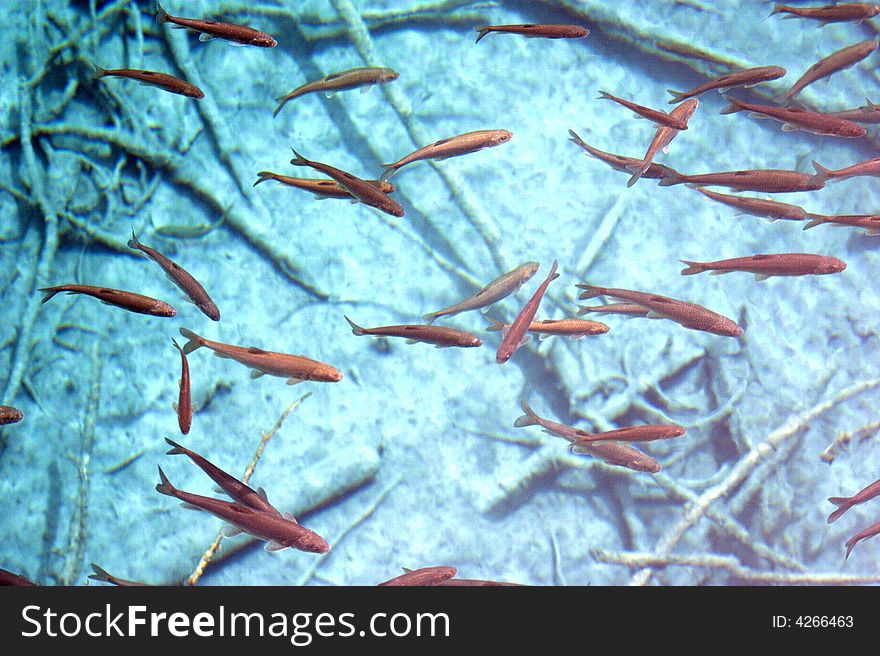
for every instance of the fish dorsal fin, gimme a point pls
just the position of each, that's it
(760, 257)
(256, 373)
(253, 350)
(661, 299)
(290, 518)
(441, 142)
(406, 570)
(262, 494)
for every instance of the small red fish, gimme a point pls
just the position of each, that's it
(321, 188)
(870, 168)
(870, 222)
(104, 576)
(574, 329)
(845, 503)
(850, 12)
(439, 336)
(646, 433)
(770, 181)
(536, 31)
(154, 79)
(515, 336)
(426, 576)
(795, 118)
(765, 266)
(121, 299)
(8, 578)
(835, 62)
(746, 78)
(761, 207)
(869, 113)
(183, 407)
(621, 163)
(659, 118)
(209, 29)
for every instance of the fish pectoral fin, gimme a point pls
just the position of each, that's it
(525, 340)
(274, 546)
(666, 149)
(289, 517)
(761, 277)
(790, 127)
(329, 93)
(174, 407)
(760, 117)
(236, 43)
(655, 315)
(189, 506)
(412, 341)
(294, 381)
(205, 37)
(576, 338)
(230, 530)
(367, 88)
(256, 373)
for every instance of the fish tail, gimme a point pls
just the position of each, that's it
(693, 268)
(871, 105)
(843, 504)
(133, 242)
(161, 14)
(432, 316)
(822, 174)
(604, 95)
(356, 329)
(575, 139)
(483, 31)
(584, 309)
(589, 292)
(165, 487)
(100, 574)
(732, 107)
(299, 160)
(495, 325)
(177, 450)
(390, 169)
(263, 175)
(194, 341)
(528, 419)
(677, 96)
(99, 72)
(283, 101)
(49, 293)
(673, 178)
(816, 220)
(777, 8)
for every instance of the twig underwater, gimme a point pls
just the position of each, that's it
(86, 162)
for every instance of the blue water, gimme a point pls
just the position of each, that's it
(412, 459)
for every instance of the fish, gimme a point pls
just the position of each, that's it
(183, 407)
(8, 578)
(279, 531)
(765, 266)
(549, 31)
(439, 336)
(476, 583)
(10, 415)
(795, 118)
(573, 328)
(621, 163)
(116, 297)
(296, 368)
(868, 168)
(210, 29)
(869, 532)
(658, 117)
(662, 139)
(869, 113)
(163, 81)
(103, 575)
(627, 309)
(769, 181)
(426, 576)
(322, 188)
(611, 453)
(363, 191)
(516, 334)
(461, 144)
(870, 222)
(845, 503)
(645, 433)
(688, 315)
(499, 289)
(744, 78)
(180, 277)
(237, 490)
(838, 61)
(849, 12)
(330, 84)
(760, 207)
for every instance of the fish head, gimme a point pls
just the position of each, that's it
(853, 131)
(264, 41)
(389, 75)
(529, 269)
(831, 265)
(501, 137)
(310, 541)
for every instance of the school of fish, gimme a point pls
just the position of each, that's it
(250, 512)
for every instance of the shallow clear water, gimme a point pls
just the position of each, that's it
(412, 459)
